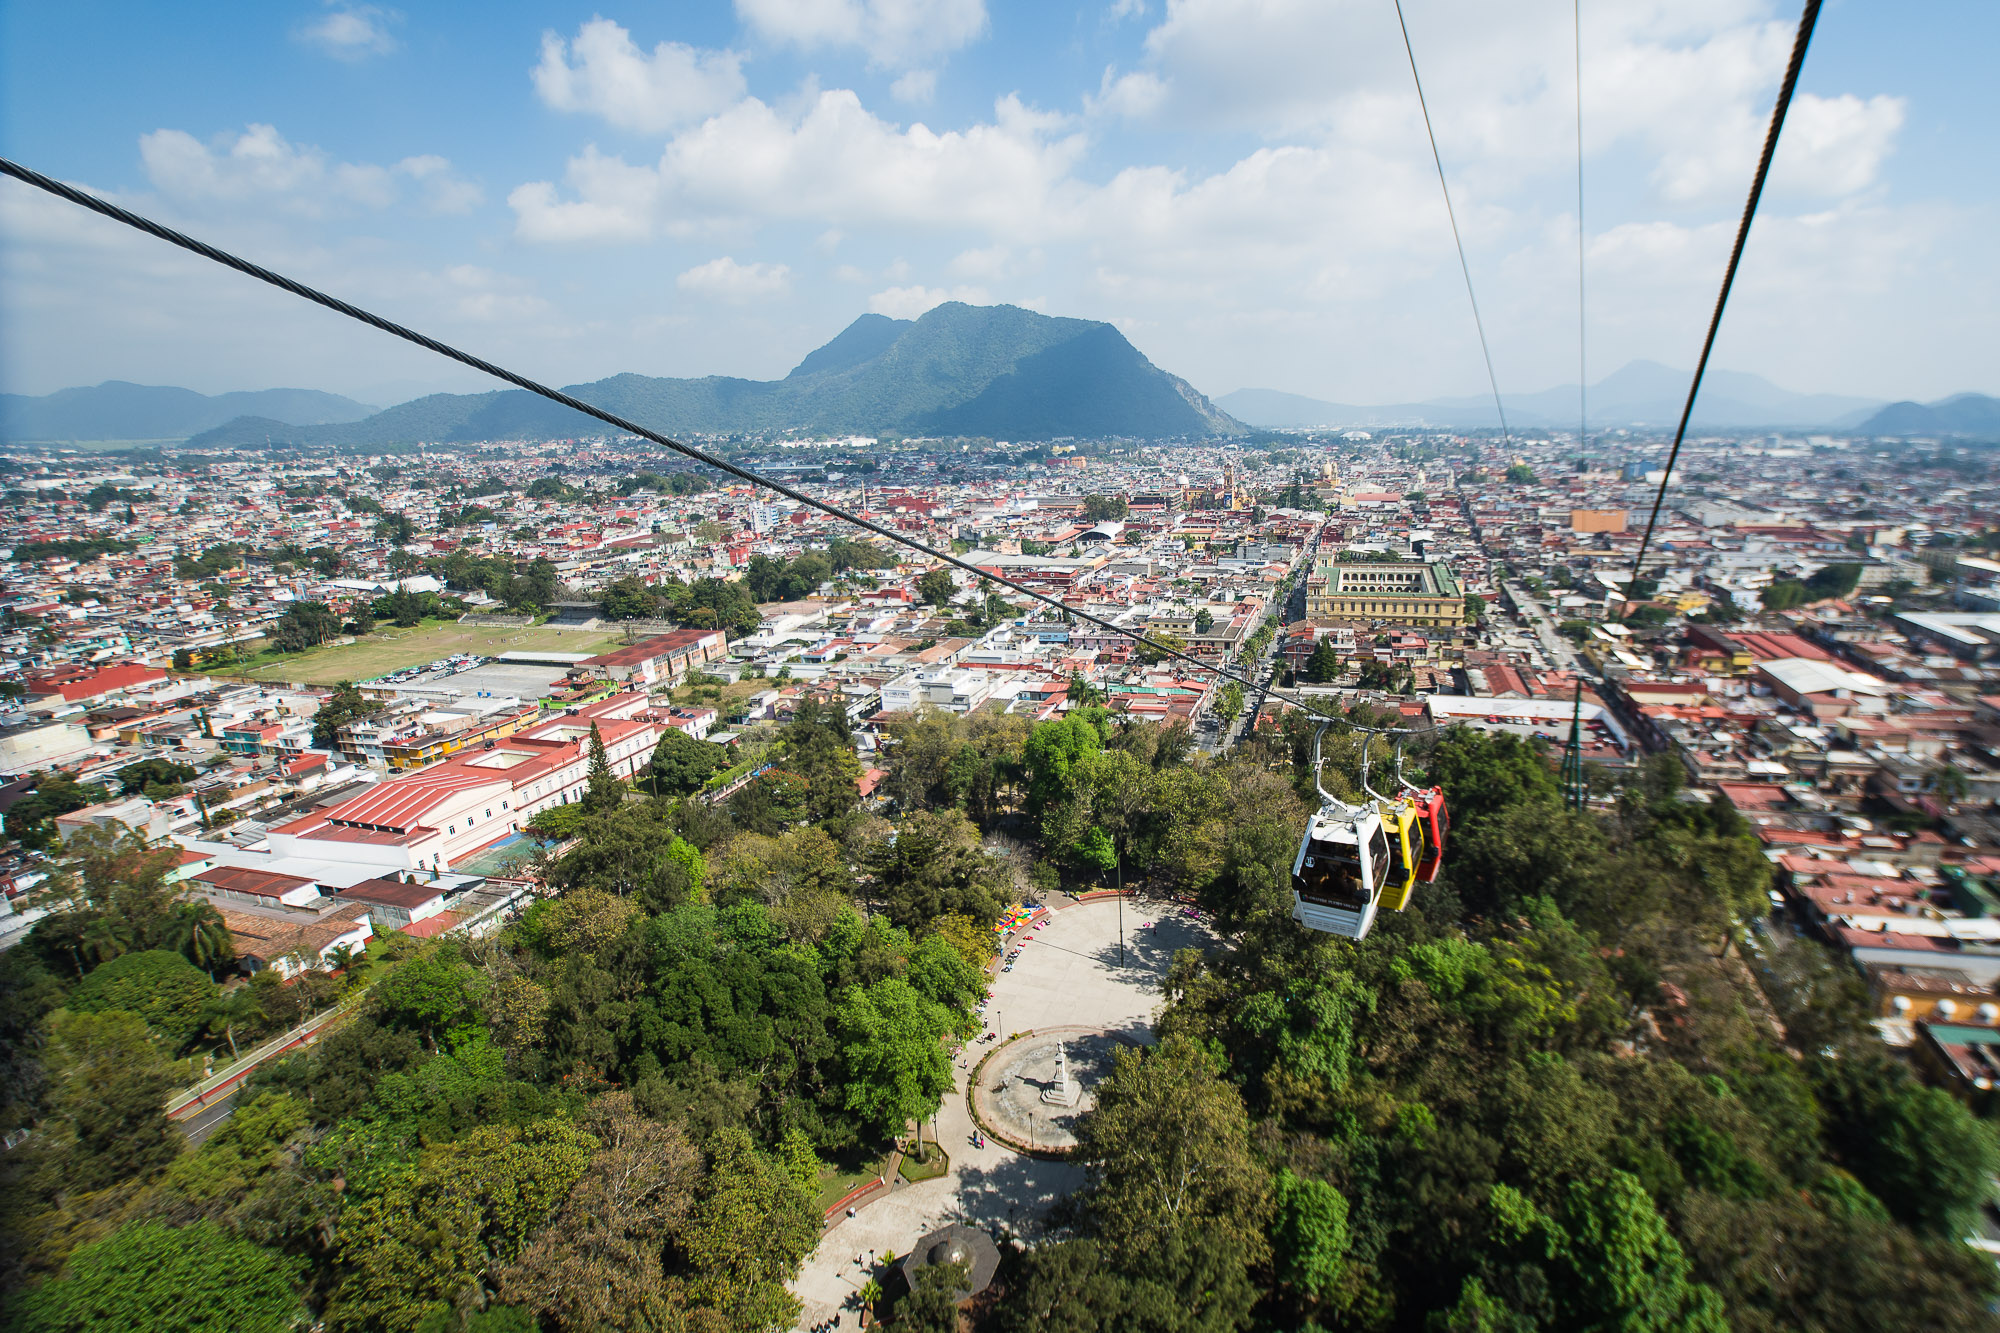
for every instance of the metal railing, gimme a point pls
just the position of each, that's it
(193, 1098)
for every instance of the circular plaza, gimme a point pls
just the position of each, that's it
(1076, 979)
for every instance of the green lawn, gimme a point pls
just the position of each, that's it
(389, 649)
(914, 1171)
(836, 1180)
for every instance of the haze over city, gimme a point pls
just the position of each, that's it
(1246, 194)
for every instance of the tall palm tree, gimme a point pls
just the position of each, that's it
(229, 1011)
(106, 938)
(196, 930)
(341, 958)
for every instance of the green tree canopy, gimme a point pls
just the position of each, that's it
(934, 867)
(1053, 757)
(1324, 664)
(1167, 1149)
(468, 1208)
(891, 1043)
(108, 1083)
(304, 625)
(343, 706)
(630, 851)
(1098, 508)
(937, 587)
(161, 987)
(602, 791)
(681, 764)
(149, 1278)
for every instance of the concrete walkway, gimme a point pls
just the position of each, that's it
(1068, 973)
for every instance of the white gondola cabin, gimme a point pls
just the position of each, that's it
(1338, 875)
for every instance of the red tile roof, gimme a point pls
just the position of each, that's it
(432, 925)
(401, 804)
(660, 645)
(263, 883)
(108, 680)
(391, 893)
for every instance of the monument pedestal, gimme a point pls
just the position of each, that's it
(1065, 1092)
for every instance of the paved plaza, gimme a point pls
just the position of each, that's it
(1068, 975)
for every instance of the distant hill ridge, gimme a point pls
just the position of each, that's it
(996, 371)
(1642, 393)
(1966, 414)
(116, 410)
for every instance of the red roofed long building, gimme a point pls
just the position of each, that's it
(430, 819)
(664, 657)
(78, 684)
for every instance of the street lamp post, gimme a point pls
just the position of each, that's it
(1119, 857)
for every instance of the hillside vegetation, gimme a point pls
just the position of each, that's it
(1534, 1101)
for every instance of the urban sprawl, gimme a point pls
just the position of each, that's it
(349, 691)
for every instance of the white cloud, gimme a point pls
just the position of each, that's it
(611, 77)
(1682, 87)
(442, 190)
(731, 281)
(617, 202)
(261, 165)
(909, 302)
(1835, 146)
(918, 86)
(894, 33)
(353, 32)
(260, 162)
(1135, 96)
(990, 262)
(88, 299)
(484, 296)
(833, 163)
(1287, 232)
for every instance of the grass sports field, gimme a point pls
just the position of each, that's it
(389, 649)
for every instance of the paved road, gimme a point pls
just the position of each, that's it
(203, 1123)
(1555, 647)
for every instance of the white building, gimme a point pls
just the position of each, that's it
(430, 819)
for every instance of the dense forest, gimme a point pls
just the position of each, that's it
(1544, 1097)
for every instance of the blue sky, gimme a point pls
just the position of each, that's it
(1241, 185)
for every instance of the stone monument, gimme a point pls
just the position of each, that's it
(1065, 1091)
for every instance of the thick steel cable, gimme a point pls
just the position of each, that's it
(110, 210)
(1582, 377)
(1506, 439)
(1807, 20)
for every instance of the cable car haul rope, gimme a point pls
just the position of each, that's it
(1355, 859)
(138, 222)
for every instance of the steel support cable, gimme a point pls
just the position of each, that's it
(1506, 438)
(1582, 377)
(140, 223)
(1807, 20)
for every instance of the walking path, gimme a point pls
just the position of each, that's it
(1069, 974)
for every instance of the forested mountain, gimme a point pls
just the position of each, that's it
(116, 410)
(1971, 414)
(996, 371)
(1535, 1100)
